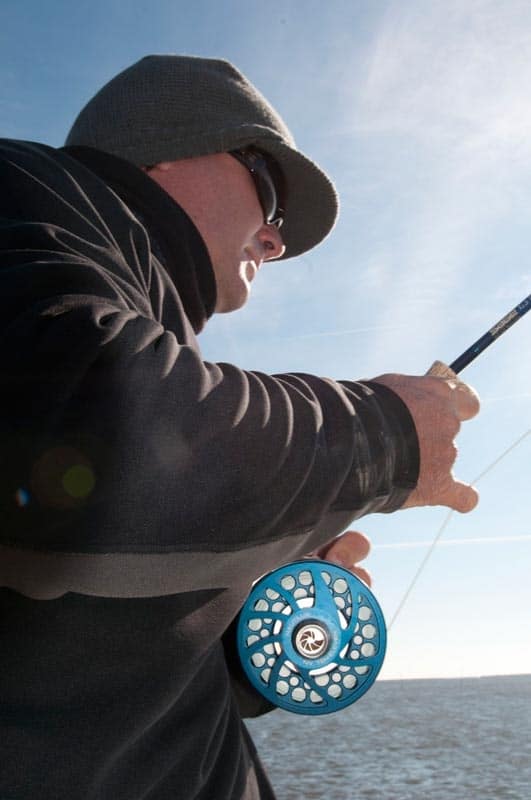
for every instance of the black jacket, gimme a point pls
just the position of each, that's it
(143, 489)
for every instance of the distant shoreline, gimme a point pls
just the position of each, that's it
(457, 677)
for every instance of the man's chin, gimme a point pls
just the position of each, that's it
(225, 305)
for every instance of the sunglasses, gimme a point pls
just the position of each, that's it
(267, 187)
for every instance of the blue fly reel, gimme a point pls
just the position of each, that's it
(311, 637)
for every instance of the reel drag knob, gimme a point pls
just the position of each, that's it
(311, 637)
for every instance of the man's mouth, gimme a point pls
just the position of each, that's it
(250, 270)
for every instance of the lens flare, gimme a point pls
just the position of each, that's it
(22, 497)
(78, 481)
(63, 477)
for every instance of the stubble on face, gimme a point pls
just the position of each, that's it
(218, 194)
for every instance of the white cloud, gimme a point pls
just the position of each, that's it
(446, 101)
(453, 542)
(455, 71)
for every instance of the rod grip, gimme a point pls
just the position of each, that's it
(441, 370)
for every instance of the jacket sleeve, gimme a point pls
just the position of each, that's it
(185, 454)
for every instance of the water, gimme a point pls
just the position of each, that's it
(466, 739)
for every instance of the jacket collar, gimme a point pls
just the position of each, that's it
(174, 239)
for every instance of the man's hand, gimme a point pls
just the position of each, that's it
(438, 406)
(347, 550)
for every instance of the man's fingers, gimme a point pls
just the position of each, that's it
(362, 574)
(462, 497)
(466, 400)
(355, 543)
(347, 549)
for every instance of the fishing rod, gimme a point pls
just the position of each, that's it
(311, 635)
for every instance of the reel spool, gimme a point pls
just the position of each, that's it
(311, 637)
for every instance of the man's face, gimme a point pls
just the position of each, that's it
(219, 195)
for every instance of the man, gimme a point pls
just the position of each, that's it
(143, 489)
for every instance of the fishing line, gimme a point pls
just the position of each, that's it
(445, 524)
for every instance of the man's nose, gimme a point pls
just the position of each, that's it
(271, 241)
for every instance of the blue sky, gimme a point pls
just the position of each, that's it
(421, 113)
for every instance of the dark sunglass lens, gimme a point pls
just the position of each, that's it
(264, 184)
(266, 192)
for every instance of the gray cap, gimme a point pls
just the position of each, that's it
(167, 107)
